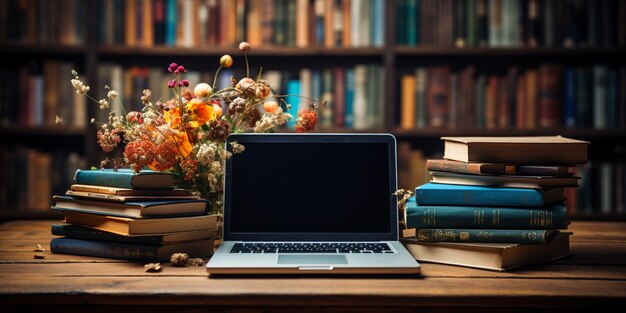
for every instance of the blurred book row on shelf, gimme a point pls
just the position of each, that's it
(197, 23)
(353, 94)
(44, 93)
(510, 23)
(43, 22)
(32, 176)
(549, 96)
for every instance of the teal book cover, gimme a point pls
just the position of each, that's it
(448, 194)
(126, 178)
(293, 89)
(535, 236)
(482, 217)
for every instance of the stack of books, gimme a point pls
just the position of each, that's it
(137, 216)
(502, 195)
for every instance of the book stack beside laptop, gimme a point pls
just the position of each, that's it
(497, 194)
(137, 216)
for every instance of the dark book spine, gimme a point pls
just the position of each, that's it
(485, 235)
(485, 217)
(584, 92)
(158, 14)
(550, 106)
(78, 232)
(438, 96)
(105, 249)
(569, 98)
(459, 23)
(532, 170)
(481, 21)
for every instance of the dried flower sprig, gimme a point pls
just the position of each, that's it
(403, 196)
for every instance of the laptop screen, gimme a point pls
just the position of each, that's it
(311, 187)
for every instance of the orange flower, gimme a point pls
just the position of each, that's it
(199, 112)
(182, 142)
(172, 116)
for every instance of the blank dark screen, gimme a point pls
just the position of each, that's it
(311, 187)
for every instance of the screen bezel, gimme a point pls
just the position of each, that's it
(388, 139)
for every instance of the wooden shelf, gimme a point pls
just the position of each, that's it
(210, 51)
(567, 132)
(42, 131)
(45, 50)
(516, 52)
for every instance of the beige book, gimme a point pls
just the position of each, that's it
(148, 226)
(489, 256)
(541, 150)
(302, 23)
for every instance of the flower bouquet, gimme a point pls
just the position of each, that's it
(186, 134)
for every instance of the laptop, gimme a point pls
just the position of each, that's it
(311, 204)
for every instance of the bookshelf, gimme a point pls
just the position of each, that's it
(94, 44)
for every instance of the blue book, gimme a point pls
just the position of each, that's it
(569, 101)
(131, 251)
(448, 194)
(293, 90)
(348, 113)
(537, 236)
(170, 23)
(126, 178)
(475, 217)
(135, 209)
(378, 23)
(411, 23)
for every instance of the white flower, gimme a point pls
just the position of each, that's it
(225, 155)
(206, 153)
(216, 167)
(104, 104)
(237, 148)
(112, 94)
(80, 87)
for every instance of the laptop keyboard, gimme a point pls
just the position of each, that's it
(311, 247)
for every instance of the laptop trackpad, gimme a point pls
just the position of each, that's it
(312, 259)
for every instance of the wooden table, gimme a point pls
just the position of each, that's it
(593, 278)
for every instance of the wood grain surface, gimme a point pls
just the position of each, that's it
(594, 277)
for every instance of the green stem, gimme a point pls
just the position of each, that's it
(245, 55)
(217, 73)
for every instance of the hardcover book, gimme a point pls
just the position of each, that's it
(509, 181)
(448, 194)
(128, 191)
(489, 256)
(495, 168)
(131, 251)
(541, 236)
(476, 217)
(79, 232)
(157, 208)
(152, 226)
(541, 150)
(126, 178)
(115, 198)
